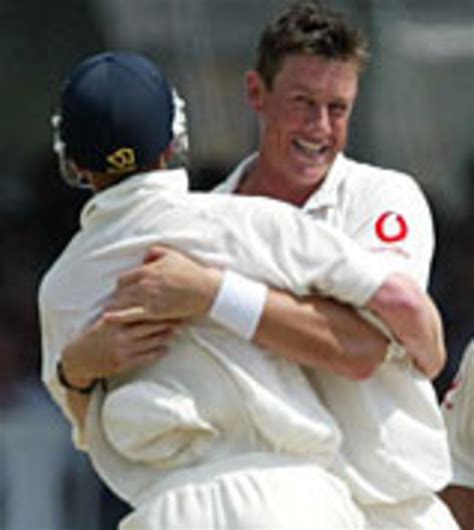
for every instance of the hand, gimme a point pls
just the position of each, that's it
(116, 342)
(429, 352)
(414, 320)
(168, 286)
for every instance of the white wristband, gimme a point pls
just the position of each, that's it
(239, 304)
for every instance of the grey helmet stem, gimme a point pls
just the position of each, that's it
(68, 172)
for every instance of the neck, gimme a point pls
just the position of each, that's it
(265, 181)
(102, 181)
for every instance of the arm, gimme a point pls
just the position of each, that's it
(321, 333)
(313, 330)
(109, 346)
(414, 320)
(176, 287)
(460, 500)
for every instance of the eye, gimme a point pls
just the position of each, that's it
(338, 109)
(301, 99)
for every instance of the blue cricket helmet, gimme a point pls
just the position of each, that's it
(116, 113)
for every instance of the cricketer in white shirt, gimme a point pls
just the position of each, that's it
(144, 437)
(215, 404)
(394, 452)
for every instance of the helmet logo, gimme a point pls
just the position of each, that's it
(121, 160)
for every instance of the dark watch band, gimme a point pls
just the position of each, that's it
(66, 384)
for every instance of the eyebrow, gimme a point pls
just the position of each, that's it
(306, 90)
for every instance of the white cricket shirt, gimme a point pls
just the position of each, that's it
(458, 410)
(213, 396)
(394, 444)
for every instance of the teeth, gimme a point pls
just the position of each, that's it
(310, 146)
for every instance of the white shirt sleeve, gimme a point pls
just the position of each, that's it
(52, 341)
(279, 244)
(392, 218)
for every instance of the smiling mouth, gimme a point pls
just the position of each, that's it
(310, 149)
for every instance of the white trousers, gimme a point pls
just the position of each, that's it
(289, 496)
(273, 492)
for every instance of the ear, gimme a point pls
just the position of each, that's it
(255, 90)
(84, 176)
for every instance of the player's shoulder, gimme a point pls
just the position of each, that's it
(370, 183)
(363, 177)
(235, 204)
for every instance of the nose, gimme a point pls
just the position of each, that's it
(318, 119)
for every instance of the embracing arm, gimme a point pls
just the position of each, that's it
(111, 345)
(151, 301)
(414, 320)
(320, 333)
(351, 345)
(313, 330)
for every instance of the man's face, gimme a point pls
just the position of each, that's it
(305, 116)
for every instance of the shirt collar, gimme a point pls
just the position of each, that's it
(324, 196)
(231, 183)
(118, 195)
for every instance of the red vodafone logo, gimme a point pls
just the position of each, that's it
(391, 227)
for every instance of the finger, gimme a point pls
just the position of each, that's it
(153, 343)
(148, 357)
(144, 346)
(155, 253)
(123, 298)
(425, 370)
(425, 367)
(131, 315)
(129, 277)
(150, 329)
(131, 342)
(172, 322)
